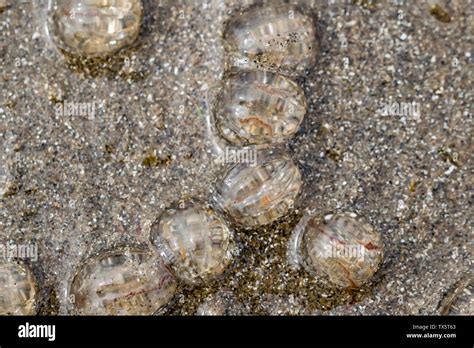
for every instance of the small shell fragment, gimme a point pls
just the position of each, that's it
(95, 27)
(122, 282)
(17, 289)
(221, 303)
(195, 240)
(259, 107)
(258, 195)
(341, 249)
(277, 38)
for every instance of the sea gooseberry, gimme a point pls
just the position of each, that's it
(340, 248)
(95, 27)
(259, 107)
(122, 282)
(195, 240)
(259, 194)
(278, 38)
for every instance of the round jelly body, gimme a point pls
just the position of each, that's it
(341, 248)
(259, 194)
(195, 240)
(259, 107)
(95, 27)
(122, 282)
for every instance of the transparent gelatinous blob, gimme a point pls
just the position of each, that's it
(95, 27)
(258, 107)
(258, 194)
(221, 303)
(340, 248)
(195, 240)
(17, 289)
(277, 38)
(122, 282)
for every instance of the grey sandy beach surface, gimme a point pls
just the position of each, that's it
(76, 185)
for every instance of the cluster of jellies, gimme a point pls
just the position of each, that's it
(193, 245)
(258, 104)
